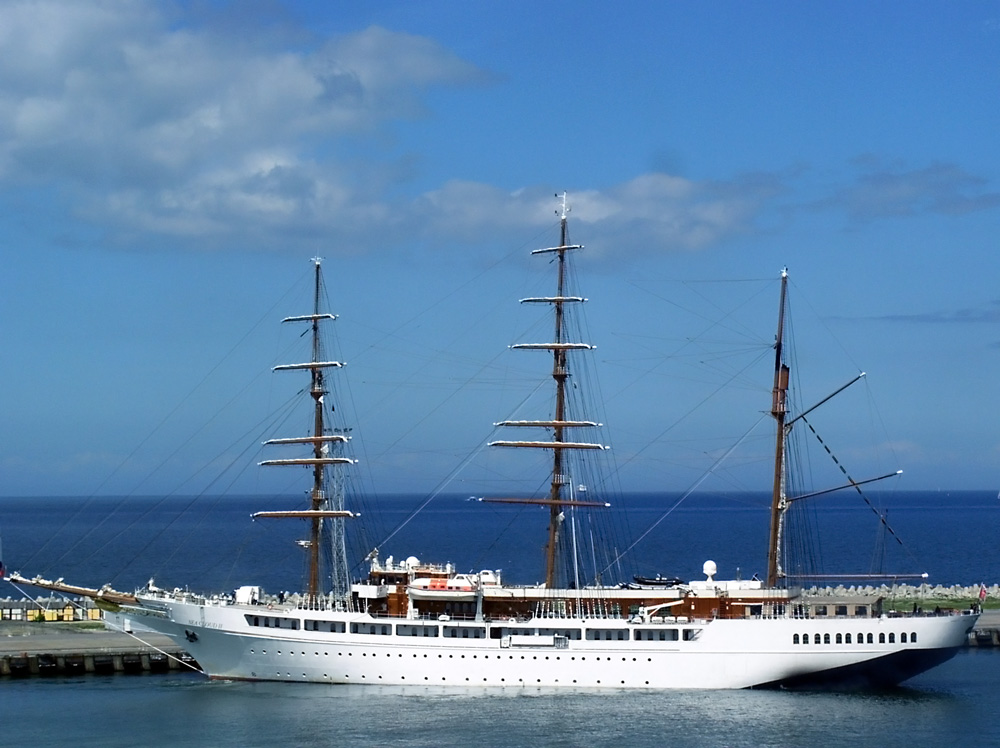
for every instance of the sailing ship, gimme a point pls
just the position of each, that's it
(412, 623)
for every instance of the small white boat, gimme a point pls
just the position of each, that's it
(457, 587)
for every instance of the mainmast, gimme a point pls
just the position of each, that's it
(557, 498)
(321, 441)
(779, 396)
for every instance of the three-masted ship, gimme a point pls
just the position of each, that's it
(412, 623)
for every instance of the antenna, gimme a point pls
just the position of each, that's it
(565, 209)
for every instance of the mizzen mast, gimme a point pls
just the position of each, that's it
(559, 496)
(780, 500)
(319, 506)
(779, 397)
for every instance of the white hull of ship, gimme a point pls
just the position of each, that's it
(722, 653)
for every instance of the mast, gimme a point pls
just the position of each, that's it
(559, 374)
(321, 441)
(779, 395)
(317, 391)
(557, 499)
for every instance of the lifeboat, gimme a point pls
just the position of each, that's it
(458, 587)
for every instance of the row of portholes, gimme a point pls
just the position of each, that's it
(503, 681)
(846, 638)
(485, 657)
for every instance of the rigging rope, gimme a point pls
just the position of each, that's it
(687, 493)
(131, 456)
(857, 488)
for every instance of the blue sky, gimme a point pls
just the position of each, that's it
(167, 169)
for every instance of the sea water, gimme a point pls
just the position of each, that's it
(211, 545)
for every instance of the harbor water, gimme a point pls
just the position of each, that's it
(958, 701)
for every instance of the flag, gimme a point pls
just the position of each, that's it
(2, 570)
(982, 592)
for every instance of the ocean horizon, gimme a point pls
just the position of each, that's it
(210, 543)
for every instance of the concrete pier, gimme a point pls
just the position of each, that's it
(32, 649)
(987, 631)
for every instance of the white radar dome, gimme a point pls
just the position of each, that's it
(709, 570)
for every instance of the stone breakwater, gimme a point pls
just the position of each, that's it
(937, 592)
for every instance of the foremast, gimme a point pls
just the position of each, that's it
(323, 504)
(559, 496)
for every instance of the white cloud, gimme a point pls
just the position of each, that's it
(155, 128)
(891, 190)
(144, 124)
(660, 212)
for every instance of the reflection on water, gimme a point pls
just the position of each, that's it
(956, 701)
